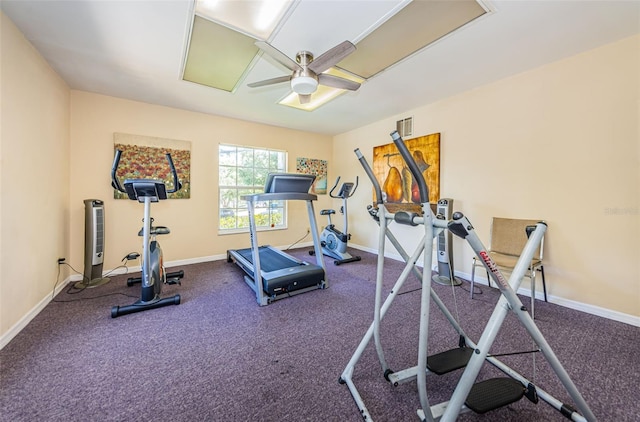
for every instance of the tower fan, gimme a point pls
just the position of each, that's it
(93, 244)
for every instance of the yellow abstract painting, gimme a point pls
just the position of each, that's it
(397, 183)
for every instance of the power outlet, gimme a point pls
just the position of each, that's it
(61, 260)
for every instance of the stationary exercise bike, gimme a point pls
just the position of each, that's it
(170, 278)
(333, 241)
(153, 273)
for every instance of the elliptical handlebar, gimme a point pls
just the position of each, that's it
(177, 185)
(372, 177)
(413, 166)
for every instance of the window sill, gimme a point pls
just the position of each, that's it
(246, 230)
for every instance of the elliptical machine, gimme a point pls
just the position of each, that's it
(333, 241)
(153, 273)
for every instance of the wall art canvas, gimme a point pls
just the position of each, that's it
(143, 157)
(316, 167)
(396, 181)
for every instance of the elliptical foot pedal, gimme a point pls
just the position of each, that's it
(494, 393)
(450, 360)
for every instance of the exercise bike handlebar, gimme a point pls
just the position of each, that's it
(413, 166)
(350, 194)
(372, 177)
(114, 168)
(177, 185)
(176, 182)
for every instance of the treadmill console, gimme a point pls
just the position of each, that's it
(288, 183)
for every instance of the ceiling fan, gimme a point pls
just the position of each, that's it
(307, 71)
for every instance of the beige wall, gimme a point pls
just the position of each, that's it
(193, 223)
(34, 150)
(560, 143)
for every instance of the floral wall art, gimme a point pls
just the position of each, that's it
(143, 157)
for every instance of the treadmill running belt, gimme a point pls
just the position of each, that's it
(269, 259)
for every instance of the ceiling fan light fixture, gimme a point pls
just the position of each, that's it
(323, 94)
(304, 85)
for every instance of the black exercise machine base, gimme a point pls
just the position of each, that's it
(172, 278)
(339, 261)
(284, 293)
(344, 261)
(140, 306)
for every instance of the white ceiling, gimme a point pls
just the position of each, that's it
(136, 49)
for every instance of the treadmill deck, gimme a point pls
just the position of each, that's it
(281, 273)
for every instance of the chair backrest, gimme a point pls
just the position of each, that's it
(508, 236)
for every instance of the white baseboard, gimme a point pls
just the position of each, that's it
(571, 304)
(567, 303)
(168, 264)
(583, 307)
(18, 326)
(596, 310)
(525, 291)
(171, 264)
(364, 248)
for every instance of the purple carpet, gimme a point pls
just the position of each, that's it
(218, 356)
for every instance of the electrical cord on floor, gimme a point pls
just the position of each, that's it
(72, 289)
(476, 289)
(53, 292)
(410, 291)
(298, 241)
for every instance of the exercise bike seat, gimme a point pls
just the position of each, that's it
(327, 212)
(155, 230)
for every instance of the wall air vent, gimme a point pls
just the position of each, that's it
(405, 127)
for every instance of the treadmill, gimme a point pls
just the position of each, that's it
(270, 272)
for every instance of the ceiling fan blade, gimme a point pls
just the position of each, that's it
(271, 81)
(332, 57)
(304, 99)
(336, 82)
(278, 56)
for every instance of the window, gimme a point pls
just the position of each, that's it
(243, 171)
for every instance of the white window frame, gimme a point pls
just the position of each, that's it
(229, 202)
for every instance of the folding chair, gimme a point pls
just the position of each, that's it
(508, 237)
